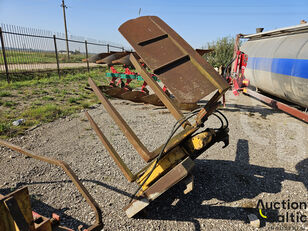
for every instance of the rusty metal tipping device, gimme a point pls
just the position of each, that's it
(176, 64)
(15, 208)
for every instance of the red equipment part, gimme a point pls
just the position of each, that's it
(113, 70)
(237, 78)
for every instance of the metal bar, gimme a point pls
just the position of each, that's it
(16, 214)
(113, 153)
(158, 91)
(33, 44)
(128, 132)
(16, 42)
(209, 108)
(108, 50)
(57, 57)
(4, 57)
(278, 105)
(87, 55)
(84, 192)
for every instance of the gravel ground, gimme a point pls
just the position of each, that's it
(267, 159)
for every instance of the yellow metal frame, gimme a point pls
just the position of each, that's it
(7, 222)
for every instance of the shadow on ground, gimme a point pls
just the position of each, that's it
(226, 181)
(264, 111)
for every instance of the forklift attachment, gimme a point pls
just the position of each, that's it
(189, 77)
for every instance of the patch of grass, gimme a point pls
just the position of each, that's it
(83, 96)
(39, 57)
(85, 104)
(65, 92)
(43, 100)
(48, 98)
(9, 104)
(43, 92)
(56, 90)
(4, 127)
(73, 100)
(44, 113)
(5, 94)
(37, 103)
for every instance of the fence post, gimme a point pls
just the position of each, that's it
(108, 48)
(87, 55)
(123, 49)
(56, 51)
(4, 57)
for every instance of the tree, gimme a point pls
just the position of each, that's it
(223, 52)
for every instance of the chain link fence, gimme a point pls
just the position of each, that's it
(29, 50)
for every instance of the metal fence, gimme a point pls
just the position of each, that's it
(28, 50)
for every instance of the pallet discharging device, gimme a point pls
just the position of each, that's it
(176, 64)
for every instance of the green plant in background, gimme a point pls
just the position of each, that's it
(223, 52)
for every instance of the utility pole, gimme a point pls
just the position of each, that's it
(66, 37)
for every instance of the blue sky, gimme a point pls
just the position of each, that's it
(197, 21)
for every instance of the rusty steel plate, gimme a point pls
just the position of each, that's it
(104, 88)
(186, 106)
(135, 96)
(108, 60)
(172, 59)
(152, 99)
(124, 60)
(204, 51)
(97, 57)
(115, 92)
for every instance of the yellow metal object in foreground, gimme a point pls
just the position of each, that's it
(18, 216)
(172, 158)
(200, 140)
(163, 165)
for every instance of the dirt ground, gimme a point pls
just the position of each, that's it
(267, 160)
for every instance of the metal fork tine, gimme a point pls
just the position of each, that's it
(127, 131)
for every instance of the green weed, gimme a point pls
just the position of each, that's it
(44, 113)
(9, 104)
(5, 94)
